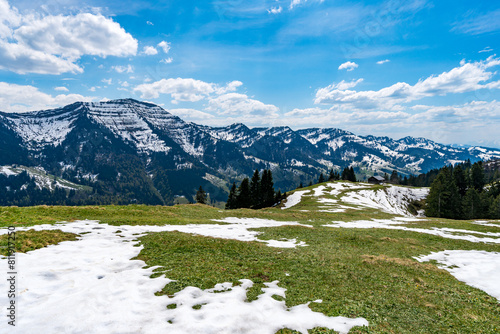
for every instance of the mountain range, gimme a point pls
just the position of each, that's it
(138, 150)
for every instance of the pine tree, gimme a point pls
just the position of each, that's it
(243, 199)
(443, 200)
(345, 174)
(201, 196)
(494, 210)
(255, 190)
(477, 176)
(301, 185)
(351, 176)
(267, 188)
(460, 180)
(231, 200)
(394, 177)
(321, 178)
(472, 205)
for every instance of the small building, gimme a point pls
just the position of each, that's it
(376, 179)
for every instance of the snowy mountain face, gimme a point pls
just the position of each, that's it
(84, 137)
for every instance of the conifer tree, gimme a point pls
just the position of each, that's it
(352, 175)
(345, 174)
(321, 178)
(243, 199)
(255, 190)
(394, 177)
(443, 199)
(301, 185)
(231, 200)
(201, 196)
(460, 180)
(477, 176)
(267, 188)
(472, 204)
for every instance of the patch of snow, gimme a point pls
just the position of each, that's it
(395, 224)
(92, 286)
(7, 171)
(479, 269)
(294, 199)
(392, 199)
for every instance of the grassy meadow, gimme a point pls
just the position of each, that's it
(369, 273)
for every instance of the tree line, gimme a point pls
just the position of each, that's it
(461, 192)
(255, 193)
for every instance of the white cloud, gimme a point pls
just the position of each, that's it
(230, 87)
(180, 89)
(186, 90)
(124, 84)
(52, 44)
(149, 23)
(275, 10)
(150, 51)
(349, 66)
(296, 3)
(465, 78)
(486, 49)
(380, 62)
(62, 89)
(121, 69)
(19, 98)
(165, 46)
(167, 60)
(107, 81)
(191, 114)
(235, 104)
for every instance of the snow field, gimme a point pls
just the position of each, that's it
(391, 199)
(479, 269)
(396, 224)
(92, 286)
(294, 199)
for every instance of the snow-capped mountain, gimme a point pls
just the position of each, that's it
(144, 146)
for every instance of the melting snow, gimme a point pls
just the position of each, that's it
(294, 199)
(392, 199)
(479, 269)
(395, 224)
(92, 286)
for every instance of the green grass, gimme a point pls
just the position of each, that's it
(369, 273)
(26, 241)
(357, 273)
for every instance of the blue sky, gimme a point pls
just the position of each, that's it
(392, 68)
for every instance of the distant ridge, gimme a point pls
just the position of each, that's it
(138, 140)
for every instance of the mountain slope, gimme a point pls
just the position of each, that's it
(141, 152)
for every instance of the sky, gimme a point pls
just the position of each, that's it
(387, 68)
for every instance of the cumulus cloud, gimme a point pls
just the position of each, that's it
(167, 60)
(123, 69)
(380, 62)
(465, 78)
(165, 46)
(19, 98)
(235, 104)
(62, 89)
(349, 66)
(150, 51)
(230, 87)
(185, 90)
(275, 10)
(191, 114)
(180, 89)
(52, 44)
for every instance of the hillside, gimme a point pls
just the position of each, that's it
(137, 152)
(334, 257)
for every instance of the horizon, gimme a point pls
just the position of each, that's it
(384, 68)
(260, 127)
